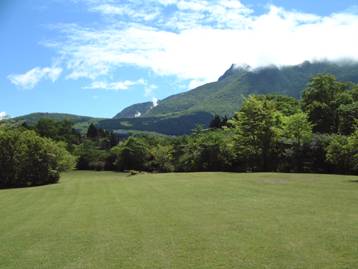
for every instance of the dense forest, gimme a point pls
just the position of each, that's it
(318, 133)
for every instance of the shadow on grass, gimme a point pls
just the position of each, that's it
(353, 181)
(10, 187)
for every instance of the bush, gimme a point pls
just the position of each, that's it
(342, 152)
(29, 160)
(133, 154)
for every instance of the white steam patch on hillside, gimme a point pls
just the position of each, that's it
(3, 116)
(155, 102)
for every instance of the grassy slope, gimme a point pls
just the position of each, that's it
(203, 220)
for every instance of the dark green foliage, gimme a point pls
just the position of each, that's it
(331, 105)
(92, 157)
(218, 122)
(320, 102)
(348, 115)
(211, 150)
(92, 132)
(57, 130)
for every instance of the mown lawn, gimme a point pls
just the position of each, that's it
(198, 220)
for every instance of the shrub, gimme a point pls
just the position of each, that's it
(29, 160)
(133, 154)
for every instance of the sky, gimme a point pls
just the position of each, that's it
(95, 57)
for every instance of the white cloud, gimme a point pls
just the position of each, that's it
(117, 86)
(3, 115)
(137, 115)
(32, 77)
(123, 10)
(200, 39)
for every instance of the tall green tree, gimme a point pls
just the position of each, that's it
(256, 132)
(296, 132)
(319, 101)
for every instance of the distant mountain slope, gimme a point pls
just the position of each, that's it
(176, 125)
(35, 117)
(134, 111)
(224, 97)
(80, 122)
(179, 114)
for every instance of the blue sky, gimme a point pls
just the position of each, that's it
(95, 57)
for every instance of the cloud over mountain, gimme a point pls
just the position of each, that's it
(198, 39)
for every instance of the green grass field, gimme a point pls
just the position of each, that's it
(198, 220)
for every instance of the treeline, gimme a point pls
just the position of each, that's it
(270, 133)
(318, 133)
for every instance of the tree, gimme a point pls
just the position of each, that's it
(132, 154)
(57, 130)
(339, 153)
(256, 125)
(347, 111)
(47, 128)
(284, 104)
(215, 122)
(27, 159)
(162, 158)
(297, 128)
(296, 132)
(92, 131)
(319, 101)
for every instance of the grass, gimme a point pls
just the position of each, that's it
(198, 220)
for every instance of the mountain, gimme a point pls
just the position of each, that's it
(224, 96)
(179, 114)
(80, 122)
(170, 125)
(33, 118)
(134, 111)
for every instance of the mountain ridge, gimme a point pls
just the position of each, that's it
(178, 114)
(225, 96)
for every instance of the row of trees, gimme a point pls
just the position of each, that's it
(270, 133)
